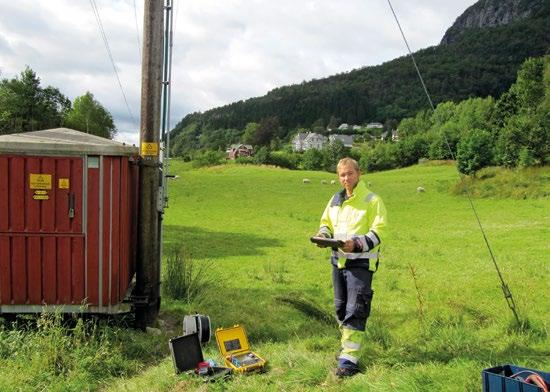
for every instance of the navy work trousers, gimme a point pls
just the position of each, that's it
(352, 295)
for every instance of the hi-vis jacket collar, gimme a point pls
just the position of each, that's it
(340, 197)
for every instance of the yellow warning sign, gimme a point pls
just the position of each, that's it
(149, 149)
(41, 197)
(39, 192)
(40, 181)
(63, 183)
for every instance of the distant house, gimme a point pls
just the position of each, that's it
(314, 140)
(394, 135)
(347, 140)
(298, 141)
(239, 150)
(374, 125)
(305, 141)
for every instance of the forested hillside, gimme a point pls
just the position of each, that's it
(480, 62)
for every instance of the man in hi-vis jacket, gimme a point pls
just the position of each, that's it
(356, 216)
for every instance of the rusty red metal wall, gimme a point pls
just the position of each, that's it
(52, 256)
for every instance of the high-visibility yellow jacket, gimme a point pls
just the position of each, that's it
(361, 217)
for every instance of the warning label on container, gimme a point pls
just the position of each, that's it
(149, 149)
(41, 197)
(63, 183)
(40, 181)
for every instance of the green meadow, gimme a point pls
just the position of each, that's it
(438, 316)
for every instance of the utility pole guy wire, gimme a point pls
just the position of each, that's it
(504, 286)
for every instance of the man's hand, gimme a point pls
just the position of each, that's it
(321, 235)
(348, 246)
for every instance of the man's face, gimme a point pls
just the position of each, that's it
(349, 177)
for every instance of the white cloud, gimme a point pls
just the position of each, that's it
(224, 51)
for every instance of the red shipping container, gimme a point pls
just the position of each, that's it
(68, 219)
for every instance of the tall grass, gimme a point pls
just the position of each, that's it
(185, 278)
(49, 353)
(498, 182)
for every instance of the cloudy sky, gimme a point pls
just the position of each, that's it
(224, 50)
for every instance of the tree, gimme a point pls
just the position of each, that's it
(411, 149)
(332, 152)
(249, 134)
(474, 151)
(312, 159)
(88, 115)
(26, 106)
(185, 144)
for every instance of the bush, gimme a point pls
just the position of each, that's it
(382, 156)
(312, 159)
(474, 151)
(284, 159)
(440, 142)
(209, 158)
(244, 160)
(411, 149)
(525, 158)
(261, 157)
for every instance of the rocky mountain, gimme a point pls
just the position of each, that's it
(491, 13)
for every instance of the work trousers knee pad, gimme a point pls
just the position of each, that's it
(358, 308)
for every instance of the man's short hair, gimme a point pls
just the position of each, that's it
(347, 162)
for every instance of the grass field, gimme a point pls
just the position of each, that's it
(438, 318)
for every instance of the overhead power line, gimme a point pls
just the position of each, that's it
(504, 286)
(106, 42)
(137, 30)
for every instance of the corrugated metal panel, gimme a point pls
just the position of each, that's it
(58, 248)
(41, 241)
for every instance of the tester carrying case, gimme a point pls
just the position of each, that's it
(186, 352)
(234, 347)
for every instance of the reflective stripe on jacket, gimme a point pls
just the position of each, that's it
(361, 217)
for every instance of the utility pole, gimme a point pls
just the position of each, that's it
(146, 296)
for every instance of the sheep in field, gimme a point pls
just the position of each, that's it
(306, 181)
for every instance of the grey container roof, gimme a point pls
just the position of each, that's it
(62, 141)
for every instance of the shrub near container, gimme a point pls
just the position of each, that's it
(234, 347)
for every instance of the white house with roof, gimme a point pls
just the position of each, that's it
(347, 140)
(306, 140)
(374, 125)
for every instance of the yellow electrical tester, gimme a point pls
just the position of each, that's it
(234, 347)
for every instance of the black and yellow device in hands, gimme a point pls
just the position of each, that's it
(328, 242)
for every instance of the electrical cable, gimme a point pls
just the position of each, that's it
(505, 289)
(106, 42)
(137, 31)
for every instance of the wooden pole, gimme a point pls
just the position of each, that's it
(147, 292)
